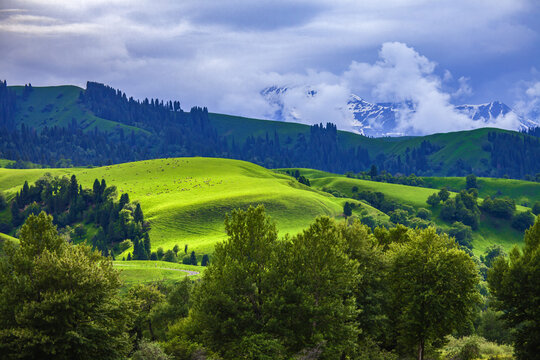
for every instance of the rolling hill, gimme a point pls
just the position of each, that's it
(186, 199)
(491, 230)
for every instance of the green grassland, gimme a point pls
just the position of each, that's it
(4, 163)
(137, 271)
(523, 192)
(491, 230)
(5, 237)
(58, 106)
(186, 199)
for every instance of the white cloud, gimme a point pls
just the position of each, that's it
(401, 74)
(528, 103)
(464, 89)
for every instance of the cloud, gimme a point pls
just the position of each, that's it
(528, 103)
(400, 74)
(221, 54)
(464, 89)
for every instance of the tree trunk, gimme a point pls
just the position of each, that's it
(421, 350)
(152, 336)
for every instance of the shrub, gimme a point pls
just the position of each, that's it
(149, 351)
(169, 256)
(423, 213)
(124, 245)
(523, 220)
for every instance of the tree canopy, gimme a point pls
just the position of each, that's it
(58, 300)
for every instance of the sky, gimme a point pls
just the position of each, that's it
(222, 54)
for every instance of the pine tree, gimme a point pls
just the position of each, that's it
(138, 214)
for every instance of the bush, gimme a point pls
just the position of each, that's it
(424, 214)
(499, 207)
(475, 347)
(523, 220)
(124, 245)
(169, 256)
(149, 351)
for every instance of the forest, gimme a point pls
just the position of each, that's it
(332, 291)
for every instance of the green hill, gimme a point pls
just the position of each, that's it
(459, 153)
(524, 193)
(58, 106)
(186, 199)
(491, 230)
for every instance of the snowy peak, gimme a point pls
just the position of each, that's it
(485, 112)
(381, 119)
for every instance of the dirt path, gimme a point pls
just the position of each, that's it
(189, 272)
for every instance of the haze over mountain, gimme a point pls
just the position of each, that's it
(393, 118)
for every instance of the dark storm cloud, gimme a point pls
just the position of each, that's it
(222, 53)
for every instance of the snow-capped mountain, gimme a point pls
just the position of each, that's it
(381, 119)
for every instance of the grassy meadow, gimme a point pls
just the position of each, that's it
(186, 199)
(491, 231)
(141, 271)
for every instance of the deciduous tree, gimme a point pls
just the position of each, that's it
(58, 300)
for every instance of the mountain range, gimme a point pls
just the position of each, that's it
(382, 119)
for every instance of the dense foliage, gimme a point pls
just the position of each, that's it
(325, 292)
(334, 291)
(59, 301)
(515, 284)
(72, 206)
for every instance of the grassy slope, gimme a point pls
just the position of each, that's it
(186, 199)
(4, 163)
(523, 192)
(57, 106)
(4, 237)
(491, 231)
(135, 272)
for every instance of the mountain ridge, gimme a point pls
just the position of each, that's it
(382, 119)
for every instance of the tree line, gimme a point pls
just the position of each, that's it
(74, 208)
(166, 130)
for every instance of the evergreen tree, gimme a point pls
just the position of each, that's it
(347, 209)
(193, 258)
(205, 260)
(138, 214)
(73, 189)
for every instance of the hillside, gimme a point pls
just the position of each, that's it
(157, 129)
(491, 230)
(59, 106)
(186, 199)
